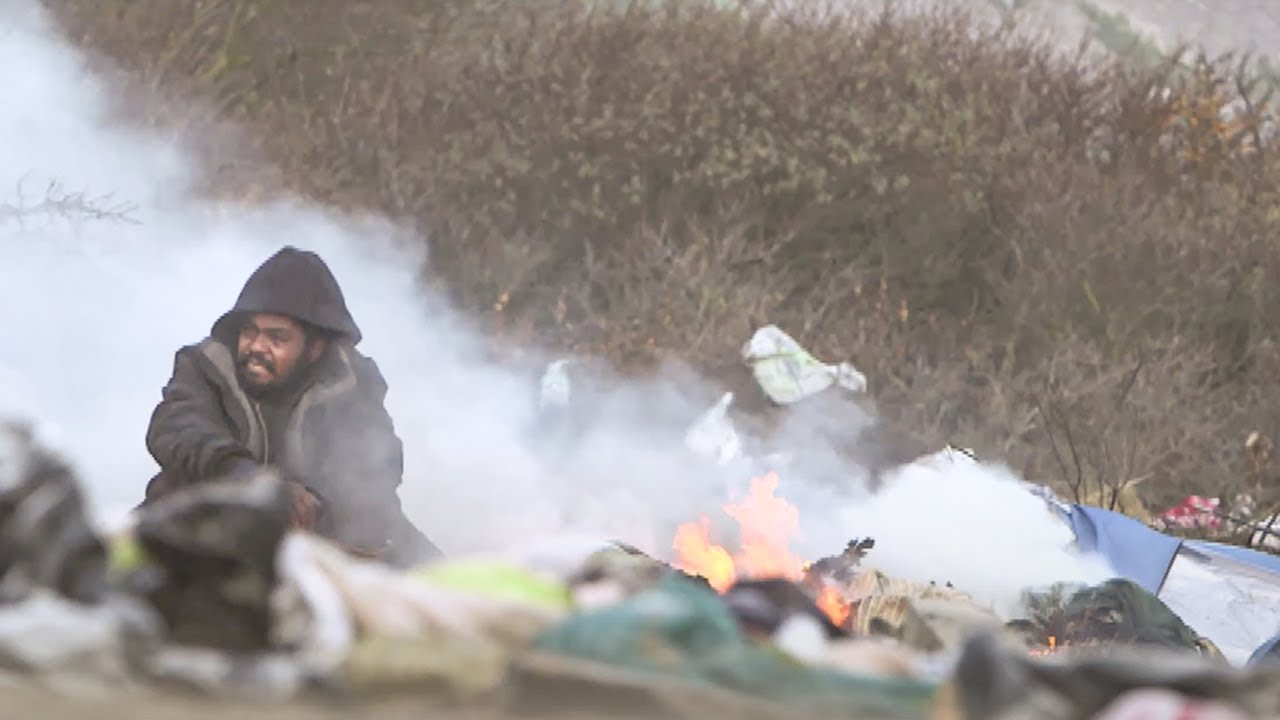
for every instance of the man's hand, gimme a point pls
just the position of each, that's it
(237, 467)
(306, 506)
(367, 553)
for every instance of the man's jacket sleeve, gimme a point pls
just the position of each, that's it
(367, 459)
(377, 520)
(188, 435)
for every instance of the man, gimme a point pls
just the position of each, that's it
(279, 383)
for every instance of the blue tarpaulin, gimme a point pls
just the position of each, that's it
(1144, 555)
(1136, 551)
(1254, 558)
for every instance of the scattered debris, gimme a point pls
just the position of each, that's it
(684, 638)
(213, 591)
(61, 624)
(840, 568)
(1193, 512)
(991, 681)
(1116, 612)
(713, 436)
(788, 373)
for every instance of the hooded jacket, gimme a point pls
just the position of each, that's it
(333, 434)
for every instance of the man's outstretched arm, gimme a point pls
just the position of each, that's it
(367, 462)
(188, 434)
(377, 524)
(407, 543)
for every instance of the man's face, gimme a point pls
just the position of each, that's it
(271, 349)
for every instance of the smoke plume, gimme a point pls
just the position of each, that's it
(110, 261)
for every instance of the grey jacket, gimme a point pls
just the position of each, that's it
(334, 436)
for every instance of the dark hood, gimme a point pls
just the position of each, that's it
(296, 283)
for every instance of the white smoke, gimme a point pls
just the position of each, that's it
(973, 525)
(94, 309)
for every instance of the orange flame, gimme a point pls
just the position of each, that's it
(700, 556)
(835, 606)
(766, 523)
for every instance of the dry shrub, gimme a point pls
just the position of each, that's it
(1071, 266)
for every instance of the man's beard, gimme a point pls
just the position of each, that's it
(278, 386)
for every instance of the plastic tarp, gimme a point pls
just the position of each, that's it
(1267, 653)
(1228, 594)
(1225, 597)
(1136, 551)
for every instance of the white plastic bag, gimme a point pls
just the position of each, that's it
(308, 611)
(788, 373)
(948, 456)
(72, 647)
(713, 436)
(555, 388)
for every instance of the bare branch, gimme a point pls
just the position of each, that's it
(58, 202)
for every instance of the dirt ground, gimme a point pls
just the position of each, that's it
(44, 705)
(549, 689)
(37, 702)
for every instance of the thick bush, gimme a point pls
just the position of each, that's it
(1072, 266)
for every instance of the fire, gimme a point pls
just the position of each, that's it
(767, 524)
(698, 555)
(1053, 648)
(835, 606)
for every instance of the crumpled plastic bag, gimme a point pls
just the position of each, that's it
(310, 619)
(337, 620)
(947, 457)
(557, 421)
(76, 648)
(1194, 511)
(713, 436)
(787, 373)
(46, 539)
(61, 624)
(555, 389)
(211, 561)
(244, 612)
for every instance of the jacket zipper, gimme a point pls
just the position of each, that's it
(266, 438)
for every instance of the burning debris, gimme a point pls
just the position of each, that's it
(763, 606)
(765, 582)
(767, 523)
(840, 568)
(1116, 612)
(850, 596)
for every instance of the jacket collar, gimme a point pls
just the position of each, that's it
(335, 376)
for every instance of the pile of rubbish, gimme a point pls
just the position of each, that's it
(212, 592)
